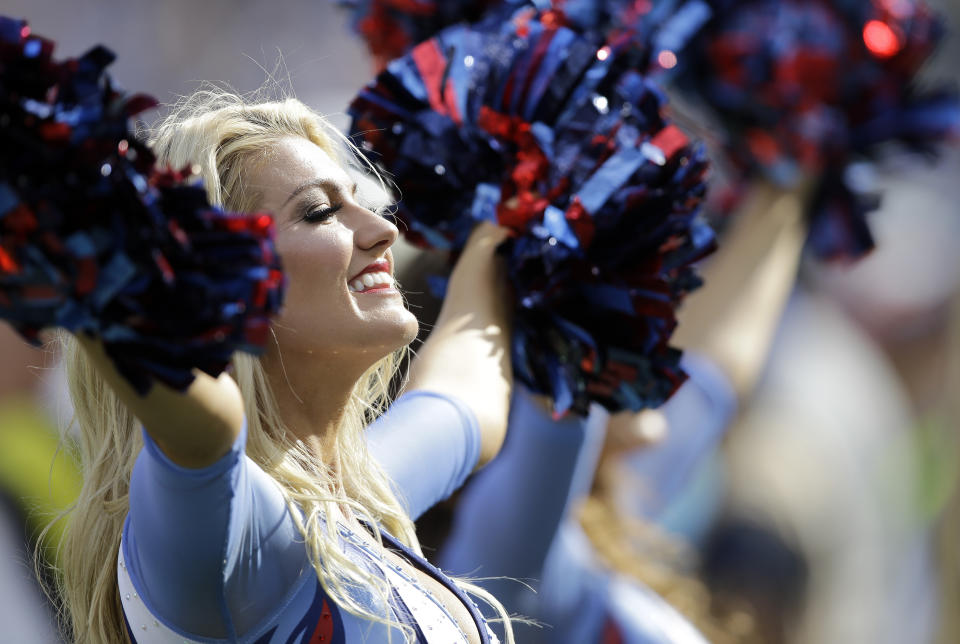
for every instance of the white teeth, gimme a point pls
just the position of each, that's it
(368, 280)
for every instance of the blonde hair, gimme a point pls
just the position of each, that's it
(220, 134)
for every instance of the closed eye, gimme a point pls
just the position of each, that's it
(317, 215)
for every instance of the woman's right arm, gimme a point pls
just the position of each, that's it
(194, 428)
(209, 542)
(467, 355)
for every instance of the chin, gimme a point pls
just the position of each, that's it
(406, 330)
(412, 330)
(386, 335)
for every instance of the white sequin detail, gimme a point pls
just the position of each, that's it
(437, 625)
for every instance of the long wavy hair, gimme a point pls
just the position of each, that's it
(220, 134)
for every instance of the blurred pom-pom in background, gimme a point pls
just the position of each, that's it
(801, 91)
(528, 124)
(95, 239)
(808, 90)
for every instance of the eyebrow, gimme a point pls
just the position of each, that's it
(326, 185)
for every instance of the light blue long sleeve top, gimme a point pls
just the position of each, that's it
(214, 555)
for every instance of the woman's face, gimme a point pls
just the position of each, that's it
(340, 300)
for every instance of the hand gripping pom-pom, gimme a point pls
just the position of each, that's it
(529, 124)
(95, 240)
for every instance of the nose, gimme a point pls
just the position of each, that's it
(373, 232)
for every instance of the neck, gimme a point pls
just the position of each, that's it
(312, 392)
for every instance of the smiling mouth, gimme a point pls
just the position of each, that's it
(370, 282)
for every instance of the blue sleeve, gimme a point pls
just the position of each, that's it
(508, 516)
(211, 551)
(428, 443)
(698, 416)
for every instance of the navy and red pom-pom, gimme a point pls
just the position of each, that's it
(800, 89)
(392, 27)
(95, 239)
(529, 124)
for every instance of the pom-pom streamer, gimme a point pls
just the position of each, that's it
(800, 88)
(392, 27)
(94, 239)
(527, 123)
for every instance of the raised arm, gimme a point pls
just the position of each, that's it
(734, 319)
(194, 428)
(507, 517)
(468, 353)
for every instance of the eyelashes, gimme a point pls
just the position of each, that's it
(316, 214)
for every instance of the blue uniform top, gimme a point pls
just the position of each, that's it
(213, 554)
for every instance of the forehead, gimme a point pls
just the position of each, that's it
(292, 162)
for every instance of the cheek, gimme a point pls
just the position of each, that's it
(313, 249)
(315, 262)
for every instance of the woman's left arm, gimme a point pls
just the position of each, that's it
(467, 356)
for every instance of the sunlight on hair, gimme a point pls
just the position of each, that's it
(221, 134)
